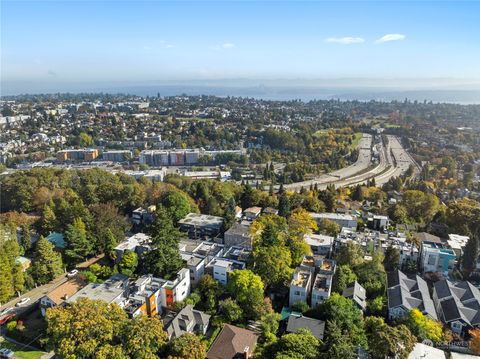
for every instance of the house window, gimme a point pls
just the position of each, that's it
(296, 292)
(431, 260)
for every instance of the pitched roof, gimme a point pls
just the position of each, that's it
(187, 318)
(459, 301)
(357, 293)
(296, 322)
(66, 290)
(410, 293)
(231, 342)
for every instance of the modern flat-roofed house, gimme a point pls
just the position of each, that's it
(113, 290)
(320, 243)
(300, 287)
(457, 243)
(188, 320)
(321, 289)
(405, 294)
(233, 343)
(343, 220)
(138, 243)
(143, 299)
(457, 304)
(238, 235)
(59, 295)
(435, 258)
(176, 290)
(201, 225)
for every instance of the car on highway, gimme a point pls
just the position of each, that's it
(72, 273)
(22, 302)
(6, 353)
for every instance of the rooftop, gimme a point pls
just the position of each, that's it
(196, 219)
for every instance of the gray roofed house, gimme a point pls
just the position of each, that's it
(405, 294)
(296, 322)
(188, 320)
(458, 304)
(356, 293)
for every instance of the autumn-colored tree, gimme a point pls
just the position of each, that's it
(475, 340)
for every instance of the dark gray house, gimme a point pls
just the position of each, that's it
(405, 294)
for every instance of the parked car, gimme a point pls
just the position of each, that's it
(5, 311)
(22, 302)
(6, 353)
(72, 273)
(6, 318)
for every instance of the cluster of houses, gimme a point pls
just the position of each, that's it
(208, 249)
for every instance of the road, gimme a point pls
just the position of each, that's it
(393, 161)
(36, 293)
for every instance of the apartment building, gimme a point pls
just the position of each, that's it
(201, 225)
(343, 220)
(138, 243)
(176, 290)
(238, 235)
(85, 154)
(322, 287)
(117, 155)
(320, 244)
(144, 297)
(114, 290)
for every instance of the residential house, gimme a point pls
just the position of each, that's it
(176, 290)
(238, 235)
(114, 290)
(300, 287)
(357, 293)
(298, 321)
(144, 297)
(232, 343)
(435, 258)
(405, 294)
(457, 243)
(138, 243)
(320, 244)
(457, 304)
(60, 294)
(252, 213)
(188, 320)
(322, 287)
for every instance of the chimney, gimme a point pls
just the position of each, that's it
(245, 352)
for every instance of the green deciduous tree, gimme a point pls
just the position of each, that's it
(128, 263)
(299, 345)
(272, 264)
(329, 227)
(344, 275)
(230, 311)
(188, 346)
(247, 288)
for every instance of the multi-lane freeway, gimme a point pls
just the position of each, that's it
(392, 161)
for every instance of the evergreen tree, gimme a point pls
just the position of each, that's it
(48, 220)
(284, 205)
(78, 245)
(230, 212)
(470, 256)
(164, 260)
(47, 264)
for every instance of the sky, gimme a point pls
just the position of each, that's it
(59, 42)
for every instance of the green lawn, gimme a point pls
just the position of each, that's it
(356, 140)
(20, 353)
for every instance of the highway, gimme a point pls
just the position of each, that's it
(393, 162)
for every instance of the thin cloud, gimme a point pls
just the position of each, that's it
(348, 40)
(390, 37)
(228, 45)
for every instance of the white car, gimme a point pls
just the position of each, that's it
(22, 302)
(72, 273)
(6, 311)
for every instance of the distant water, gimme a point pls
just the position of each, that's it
(309, 93)
(270, 92)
